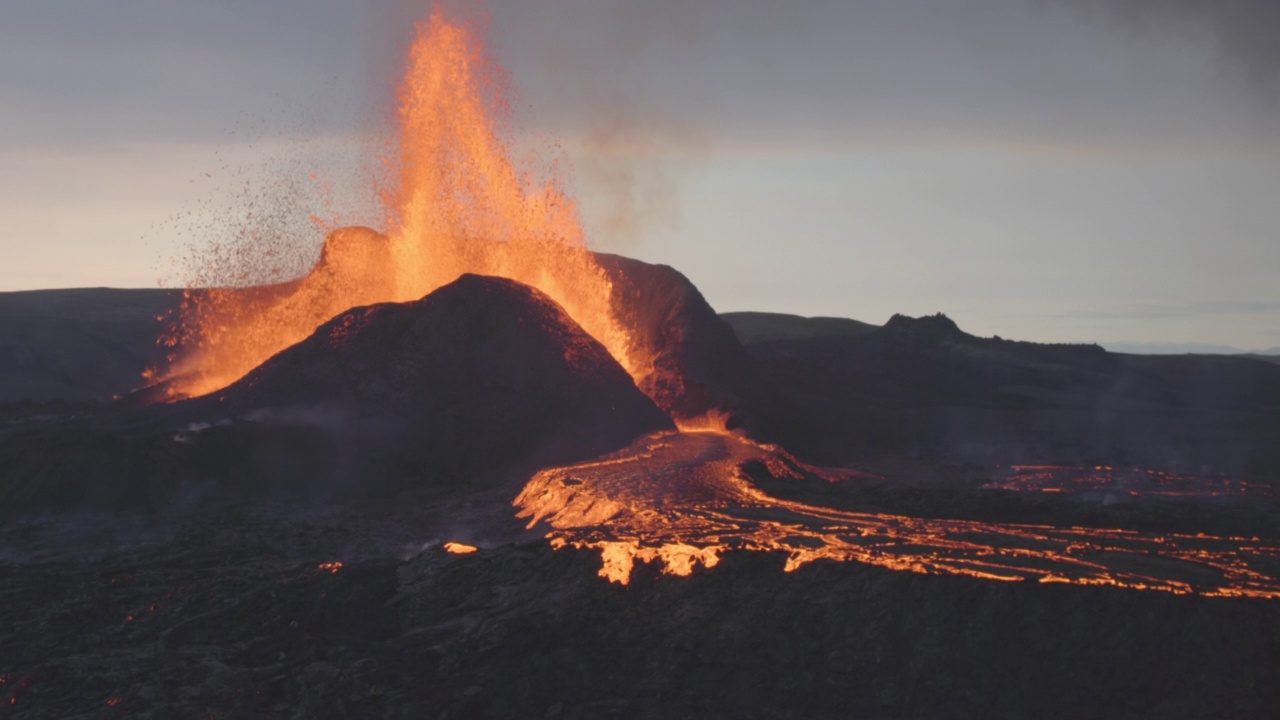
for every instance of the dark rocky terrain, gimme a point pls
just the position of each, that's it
(698, 363)
(921, 388)
(182, 560)
(1273, 357)
(229, 614)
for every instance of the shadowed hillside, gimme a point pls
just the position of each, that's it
(75, 345)
(758, 327)
(831, 389)
(921, 387)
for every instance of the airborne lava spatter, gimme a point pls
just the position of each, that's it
(461, 205)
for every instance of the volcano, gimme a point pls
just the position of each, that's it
(479, 375)
(682, 354)
(442, 473)
(481, 381)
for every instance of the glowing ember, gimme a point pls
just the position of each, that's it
(330, 567)
(683, 499)
(458, 548)
(461, 205)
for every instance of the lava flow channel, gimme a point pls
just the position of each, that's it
(682, 499)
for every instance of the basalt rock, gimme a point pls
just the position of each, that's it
(249, 616)
(699, 366)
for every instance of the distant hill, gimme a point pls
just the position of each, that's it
(922, 387)
(758, 327)
(1171, 348)
(831, 389)
(79, 344)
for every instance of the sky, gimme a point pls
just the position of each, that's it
(1050, 170)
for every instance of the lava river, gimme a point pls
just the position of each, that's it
(682, 499)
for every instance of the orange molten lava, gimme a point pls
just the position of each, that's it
(680, 500)
(460, 205)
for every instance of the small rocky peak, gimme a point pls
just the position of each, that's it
(927, 327)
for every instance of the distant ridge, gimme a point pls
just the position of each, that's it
(760, 327)
(1171, 348)
(78, 344)
(933, 327)
(757, 327)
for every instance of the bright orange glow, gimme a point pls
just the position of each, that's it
(460, 205)
(714, 421)
(330, 567)
(458, 548)
(679, 500)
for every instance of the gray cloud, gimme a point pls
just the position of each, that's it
(661, 73)
(1247, 32)
(818, 70)
(76, 74)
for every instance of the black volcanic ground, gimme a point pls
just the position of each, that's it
(166, 561)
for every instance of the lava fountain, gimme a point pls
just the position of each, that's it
(459, 205)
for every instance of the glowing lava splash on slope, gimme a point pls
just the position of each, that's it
(461, 205)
